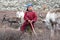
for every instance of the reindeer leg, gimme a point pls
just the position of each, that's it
(52, 30)
(3, 20)
(57, 28)
(10, 24)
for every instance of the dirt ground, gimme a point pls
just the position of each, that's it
(7, 33)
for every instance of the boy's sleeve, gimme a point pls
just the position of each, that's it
(25, 16)
(35, 17)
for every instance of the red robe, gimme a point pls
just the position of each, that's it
(29, 16)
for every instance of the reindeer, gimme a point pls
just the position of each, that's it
(20, 15)
(10, 20)
(52, 20)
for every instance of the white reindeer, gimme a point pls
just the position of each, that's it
(52, 20)
(20, 15)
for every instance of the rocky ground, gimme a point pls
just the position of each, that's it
(9, 33)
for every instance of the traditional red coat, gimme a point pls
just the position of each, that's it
(29, 16)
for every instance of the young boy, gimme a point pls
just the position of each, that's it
(29, 17)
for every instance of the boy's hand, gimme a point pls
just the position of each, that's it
(29, 21)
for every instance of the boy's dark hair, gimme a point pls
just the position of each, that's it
(27, 9)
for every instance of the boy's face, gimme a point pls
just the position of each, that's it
(30, 8)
